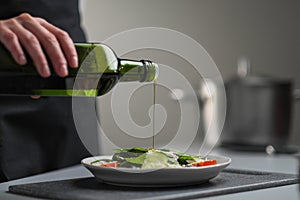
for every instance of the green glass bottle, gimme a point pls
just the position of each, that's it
(98, 72)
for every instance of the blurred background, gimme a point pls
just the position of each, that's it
(267, 32)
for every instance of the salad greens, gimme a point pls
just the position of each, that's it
(146, 158)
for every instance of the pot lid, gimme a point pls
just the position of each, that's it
(244, 77)
(259, 80)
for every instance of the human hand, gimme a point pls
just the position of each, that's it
(38, 37)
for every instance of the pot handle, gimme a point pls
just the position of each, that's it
(297, 94)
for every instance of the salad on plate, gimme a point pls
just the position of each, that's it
(150, 158)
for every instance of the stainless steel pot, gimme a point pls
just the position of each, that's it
(258, 112)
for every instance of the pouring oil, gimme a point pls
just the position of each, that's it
(153, 112)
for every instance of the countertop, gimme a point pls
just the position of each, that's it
(284, 163)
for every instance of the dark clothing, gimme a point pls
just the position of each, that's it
(61, 13)
(37, 135)
(40, 135)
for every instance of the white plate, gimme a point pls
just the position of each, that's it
(163, 177)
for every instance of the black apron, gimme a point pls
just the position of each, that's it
(38, 135)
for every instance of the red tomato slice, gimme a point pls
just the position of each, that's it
(110, 164)
(204, 163)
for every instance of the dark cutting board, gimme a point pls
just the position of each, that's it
(228, 181)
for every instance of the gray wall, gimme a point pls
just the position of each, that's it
(266, 31)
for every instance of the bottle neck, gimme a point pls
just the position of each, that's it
(133, 70)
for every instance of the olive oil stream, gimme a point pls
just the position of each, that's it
(153, 113)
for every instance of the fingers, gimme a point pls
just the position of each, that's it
(32, 45)
(65, 41)
(35, 97)
(10, 41)
(38, 37)
(51, 46)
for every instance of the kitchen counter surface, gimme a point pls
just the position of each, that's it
(284, 163)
